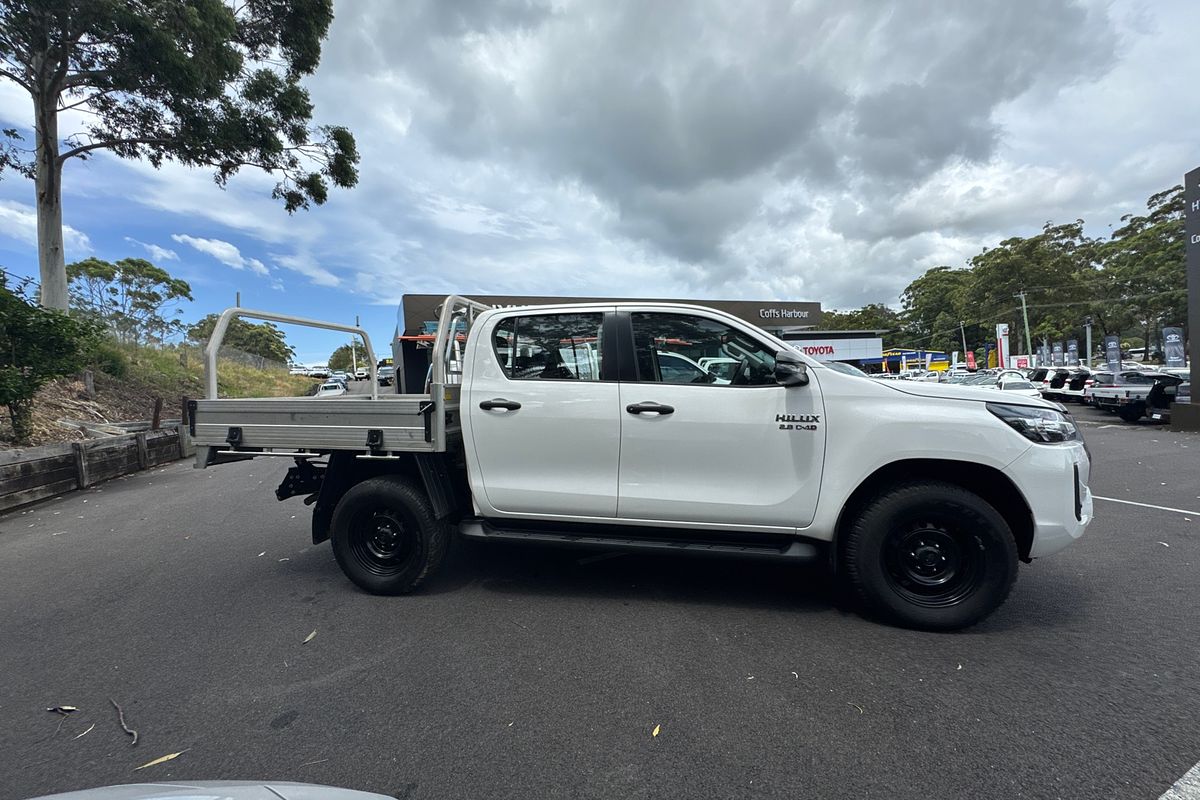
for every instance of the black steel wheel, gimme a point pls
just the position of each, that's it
(932, 565)
(385, 535)
(930, 555)
(382, 540)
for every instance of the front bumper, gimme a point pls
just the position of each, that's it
(1054, 481)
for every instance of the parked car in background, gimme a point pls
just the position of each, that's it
(678, 368)
(1040, 377)
(1073, 385)
(386, 375)
(331, 389)
(1056, 378)
(719, 365)
(361, 374)
(1096, 380)
(297, 370)
(1129, 394)
(318, 371)
(1018, 386)
(1162, 395)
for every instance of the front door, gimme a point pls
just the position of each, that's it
(544, 427)
(735, 450)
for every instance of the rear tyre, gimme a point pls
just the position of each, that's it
(930, 555)
(1131, 413)
(385, 536)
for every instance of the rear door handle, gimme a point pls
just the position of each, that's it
(500, 402)
(643, 408)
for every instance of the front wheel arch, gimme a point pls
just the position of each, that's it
(989, 483)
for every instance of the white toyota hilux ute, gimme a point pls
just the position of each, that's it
(556, 424)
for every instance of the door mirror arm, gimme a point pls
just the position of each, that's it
(790, 369)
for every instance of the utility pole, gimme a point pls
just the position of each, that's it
(353, 346)
(1087, 324)
(1025, 314)
(963, 331)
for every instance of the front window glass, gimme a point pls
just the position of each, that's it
(672, 347)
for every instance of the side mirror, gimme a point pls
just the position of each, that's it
(790, 369)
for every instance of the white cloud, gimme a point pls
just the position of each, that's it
(156, 252)
(19, 221)
(306, 265)
(228, 254)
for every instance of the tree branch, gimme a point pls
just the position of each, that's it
(16, 79)
(84, 148)
(84, 76)
(84, 101)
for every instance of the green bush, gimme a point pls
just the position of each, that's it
(108, 358)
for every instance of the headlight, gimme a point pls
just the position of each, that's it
(1041, 425)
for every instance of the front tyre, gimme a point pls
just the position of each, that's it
(385, 536)
(930, 555)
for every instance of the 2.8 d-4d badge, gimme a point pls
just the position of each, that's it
(798, 422)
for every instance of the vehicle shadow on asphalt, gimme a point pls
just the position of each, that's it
(548, 570)
(1045, 598)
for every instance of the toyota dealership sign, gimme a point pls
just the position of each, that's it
(840, 349)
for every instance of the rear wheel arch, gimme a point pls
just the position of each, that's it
(446, 495)
(989, 483)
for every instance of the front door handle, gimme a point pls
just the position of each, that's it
(500, 402)
(643, 408)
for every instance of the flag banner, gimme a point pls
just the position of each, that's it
(1073, 352)
(1173, 347)
(1112, 352)
(1058, 354)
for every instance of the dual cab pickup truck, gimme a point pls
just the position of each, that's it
(1134, 394)
(559, 424)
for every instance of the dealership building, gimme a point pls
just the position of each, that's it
(795, 322)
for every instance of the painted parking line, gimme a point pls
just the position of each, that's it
(1186, 788)
(1146, 505)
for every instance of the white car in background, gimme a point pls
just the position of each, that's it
(721, 366)
(678, 368)
(331, 389)
(1018, 386)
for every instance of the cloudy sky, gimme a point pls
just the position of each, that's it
(827, 151)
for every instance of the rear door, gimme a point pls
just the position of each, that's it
(542, 426)
(730, 451)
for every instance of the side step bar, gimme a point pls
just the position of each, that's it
(645, 539)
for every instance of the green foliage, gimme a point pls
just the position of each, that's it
(871, 317)
(1144, 268)
(136, 300)
(343, 358)
(201, 82)
(263, 340)
(1133, 280)
(107, 357)
(36, 346)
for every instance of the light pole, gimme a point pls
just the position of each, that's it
(1025, 314)
(1087, 324)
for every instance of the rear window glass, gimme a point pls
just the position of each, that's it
(549, 347)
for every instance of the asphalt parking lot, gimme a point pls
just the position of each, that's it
(187, 597)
